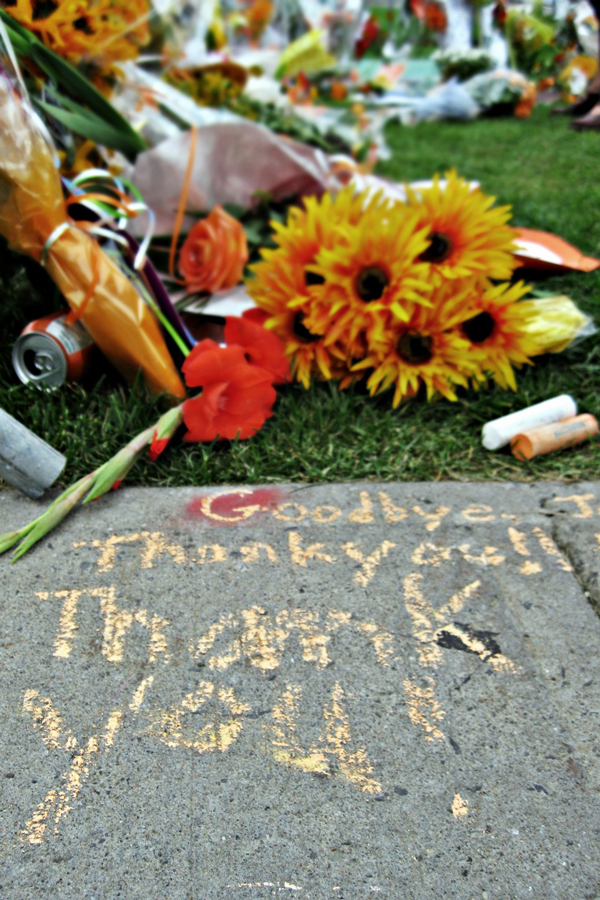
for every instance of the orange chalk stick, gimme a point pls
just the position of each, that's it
(548, 438)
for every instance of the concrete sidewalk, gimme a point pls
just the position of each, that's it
(328, 692)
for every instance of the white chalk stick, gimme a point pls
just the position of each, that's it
(499, 432)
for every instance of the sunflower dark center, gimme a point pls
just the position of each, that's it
(439, 249)
(371, 283)
(301, 331)
(479, 328)
(311, 278)
(415, 348)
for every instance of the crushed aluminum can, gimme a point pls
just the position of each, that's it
(49, 351)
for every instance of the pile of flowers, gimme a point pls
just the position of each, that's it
(237, 379)
(408, 294)
(101, 33)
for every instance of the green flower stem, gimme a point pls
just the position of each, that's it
(91, 486)
(117, 468)
(55, 513)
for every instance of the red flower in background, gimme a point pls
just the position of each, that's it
(431, 13)
(236, 400)
(499, 14)
(369, 35)
(261, 347)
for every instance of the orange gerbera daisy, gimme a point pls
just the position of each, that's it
(285, 285)
(371, 270)
(467, 234)
(427, 349)
(100, 32)
(498, 326)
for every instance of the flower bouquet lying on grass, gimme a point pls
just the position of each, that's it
(237, 398)
(412, 295)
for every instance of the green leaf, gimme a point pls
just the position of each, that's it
(89, 125)
(67, 77)
(13, 26)
(21, 44)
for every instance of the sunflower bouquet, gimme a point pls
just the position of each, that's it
(408, 295)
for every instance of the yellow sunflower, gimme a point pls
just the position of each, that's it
(426, 349)
(284, 284)
(467, 234)
(498, 326)
(101, 32)
(371, 269)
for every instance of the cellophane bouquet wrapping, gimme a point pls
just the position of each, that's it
(33, 218)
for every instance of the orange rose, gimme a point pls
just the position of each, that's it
(338, 91)
(214, 253)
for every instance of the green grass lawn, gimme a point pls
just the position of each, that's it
(550, 176)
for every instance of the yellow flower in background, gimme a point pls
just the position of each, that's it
(427, 349)
(499, 327)
(98, 32)
(467, 234)
(214, 85)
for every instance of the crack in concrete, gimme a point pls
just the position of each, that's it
(588, 581)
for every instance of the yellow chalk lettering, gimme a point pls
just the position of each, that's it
(581, 501)
(363, 515)
(424, 616)
(428, 554)
(242, 512)
(106, 560)
(424, 710)
(519, 541)
(58, 803)
(369, 563)
(176, 727)
(478, 512)
(391, 512)
(530, 568)
(218, 554)
(278, 512)
(156, 545)
(549, 547)
(325, 514)
(489, 557)
(49, 722)
(433, 519)
(300, 555)
(251, 552)
(334, 744)
(460, 807)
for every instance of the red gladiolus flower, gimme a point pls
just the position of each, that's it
(255, 315)
(236, 400)
(157, 446)
(261, 347)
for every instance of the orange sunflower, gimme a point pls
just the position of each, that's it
(285, 284)
(427, 349)
(371, 270)
(497, 325)
(101, 32)
(467, 234)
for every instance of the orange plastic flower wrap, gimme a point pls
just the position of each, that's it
(33, 218)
